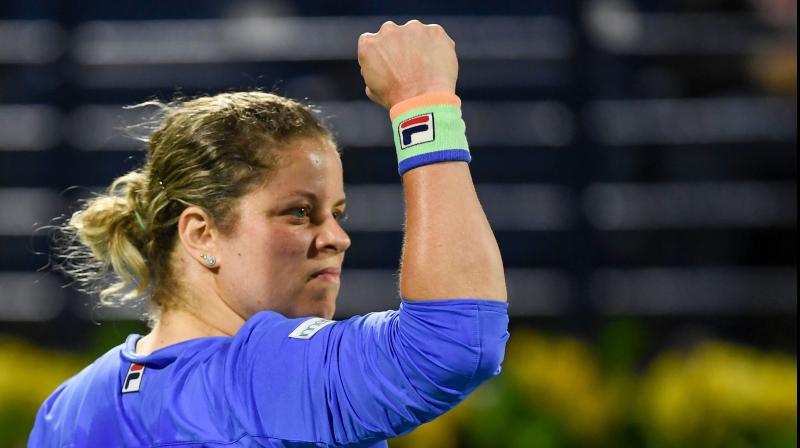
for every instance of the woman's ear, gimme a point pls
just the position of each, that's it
(198, 236)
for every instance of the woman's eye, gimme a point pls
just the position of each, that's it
(340, 216)
(300, 212)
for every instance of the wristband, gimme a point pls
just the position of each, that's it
(429, 129)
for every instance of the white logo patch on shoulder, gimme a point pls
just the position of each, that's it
(310, 327)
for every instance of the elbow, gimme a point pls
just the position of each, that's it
(470, 367)
(491, 359)
(452, 346)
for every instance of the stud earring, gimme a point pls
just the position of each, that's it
(209, 259)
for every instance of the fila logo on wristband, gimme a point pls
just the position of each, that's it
(416, 130)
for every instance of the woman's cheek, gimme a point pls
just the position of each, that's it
(291, 245)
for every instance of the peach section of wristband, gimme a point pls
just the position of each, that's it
(424, 100)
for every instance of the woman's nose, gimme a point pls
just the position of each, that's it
(332, 236)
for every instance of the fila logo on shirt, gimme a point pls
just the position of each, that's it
(310, 328)
(133, 379)
(416, 130)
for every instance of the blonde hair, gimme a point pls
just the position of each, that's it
(206, 152)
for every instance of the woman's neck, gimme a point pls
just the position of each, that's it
(178, 325)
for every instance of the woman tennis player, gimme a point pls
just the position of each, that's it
(231, 230)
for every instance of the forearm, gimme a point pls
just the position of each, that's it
(449, 249)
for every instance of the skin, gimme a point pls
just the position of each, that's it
(288, 230)
(394, 68)
(449, 249)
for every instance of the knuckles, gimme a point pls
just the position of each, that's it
(365, 42)
(389, 28)
(365, 39)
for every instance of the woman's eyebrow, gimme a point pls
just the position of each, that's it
(313, 197)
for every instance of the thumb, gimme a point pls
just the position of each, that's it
(373, 97)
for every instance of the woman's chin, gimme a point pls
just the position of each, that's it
(330, 311)
(324, 307)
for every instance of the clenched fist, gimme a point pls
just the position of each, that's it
(400, 62)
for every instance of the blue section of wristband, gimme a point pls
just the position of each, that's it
(434, 157)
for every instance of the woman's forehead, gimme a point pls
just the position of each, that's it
(311, 166)
(309, 161)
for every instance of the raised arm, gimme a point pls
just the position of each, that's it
(449, 250)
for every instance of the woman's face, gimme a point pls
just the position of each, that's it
(288, 232)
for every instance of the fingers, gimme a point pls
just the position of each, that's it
(439, 30)
(389, 25)
(392, 67)
(373, 97)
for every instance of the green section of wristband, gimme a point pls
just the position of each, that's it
(449, 131)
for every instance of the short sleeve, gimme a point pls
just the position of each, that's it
(366, 378)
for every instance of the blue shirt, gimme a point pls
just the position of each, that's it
(282, 382)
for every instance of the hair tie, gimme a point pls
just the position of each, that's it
(140, 220)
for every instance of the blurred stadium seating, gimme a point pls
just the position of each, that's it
(636, 158)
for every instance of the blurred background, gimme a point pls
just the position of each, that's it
(636, 158)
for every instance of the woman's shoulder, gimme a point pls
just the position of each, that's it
(275, 325)
(92, 380)
(99, 371)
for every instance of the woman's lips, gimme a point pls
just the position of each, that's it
(327, 275)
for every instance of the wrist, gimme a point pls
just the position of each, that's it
(429, 129)
(408, 92)
(425, 99)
